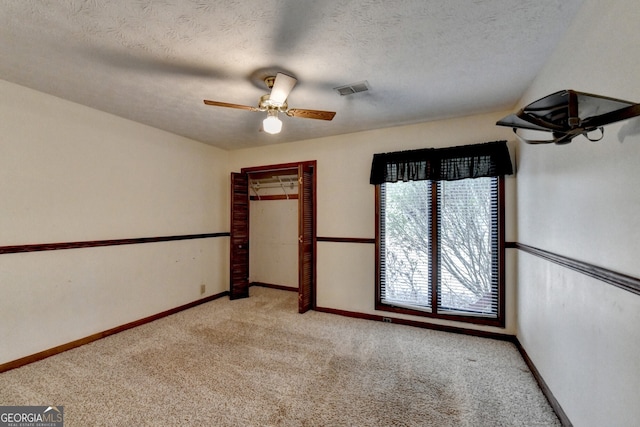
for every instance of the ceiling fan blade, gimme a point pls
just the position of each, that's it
(311, 114)
(226, 104)
(281, 88)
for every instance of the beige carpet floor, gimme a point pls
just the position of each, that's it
(256, 362)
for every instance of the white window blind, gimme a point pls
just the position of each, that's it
(439, 246)
(406, 227)
(467, 246)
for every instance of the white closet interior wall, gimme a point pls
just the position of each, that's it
(273, 231)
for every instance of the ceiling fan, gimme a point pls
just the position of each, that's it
(276, 102)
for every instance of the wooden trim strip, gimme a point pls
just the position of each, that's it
(274, 197)
(622, 281)
(562, 416)
(98, 243)
(86, 340)
(282, 167)
(346, 239)
(269, 285)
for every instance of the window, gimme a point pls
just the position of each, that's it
(439, 249)
(439, 232)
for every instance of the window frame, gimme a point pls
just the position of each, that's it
(499, 320)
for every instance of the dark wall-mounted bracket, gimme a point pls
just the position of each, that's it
(567, 114)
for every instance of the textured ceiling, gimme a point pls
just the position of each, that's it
(155, 61)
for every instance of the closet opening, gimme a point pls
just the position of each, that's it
(273, 230)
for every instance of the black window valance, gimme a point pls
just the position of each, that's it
(442, 164)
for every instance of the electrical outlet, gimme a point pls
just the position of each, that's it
(203, 289)
(386, 319)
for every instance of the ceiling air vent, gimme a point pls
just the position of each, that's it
(353, 88)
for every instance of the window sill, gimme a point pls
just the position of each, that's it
(480, 319)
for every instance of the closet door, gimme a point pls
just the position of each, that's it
(306, 233)
(239, 253)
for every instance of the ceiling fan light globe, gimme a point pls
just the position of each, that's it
(272, 125)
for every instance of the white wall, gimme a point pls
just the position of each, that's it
(69, 173)
(346, 205)
(273, 237)
(582, 201)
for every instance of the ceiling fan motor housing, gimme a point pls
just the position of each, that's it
(267, 104)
